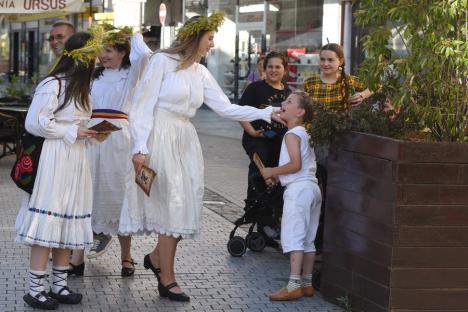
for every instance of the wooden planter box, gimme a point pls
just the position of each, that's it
(396, 225)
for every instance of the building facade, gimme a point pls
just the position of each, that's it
(252, 28)
(255, 27)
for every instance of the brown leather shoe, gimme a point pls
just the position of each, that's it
(283, 294)
(308, 291)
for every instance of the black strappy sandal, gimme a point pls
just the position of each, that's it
(164, 291)
(148, 265)
(128, 271)
(77, 270)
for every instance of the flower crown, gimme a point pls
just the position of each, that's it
(91, 49)
(116, 35)
(101, 35)
(203, 23)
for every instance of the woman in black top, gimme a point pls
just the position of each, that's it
(259, 136)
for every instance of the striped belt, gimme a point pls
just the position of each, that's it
(108, 114)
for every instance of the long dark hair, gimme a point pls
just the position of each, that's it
(76, 74)
(344, 84)
(121, 47)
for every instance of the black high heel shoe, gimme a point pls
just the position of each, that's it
(165, 292)
(148, 265)
(76, 269)
(128, 271)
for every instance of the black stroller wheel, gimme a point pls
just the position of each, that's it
(255, 241)
(316, 276)
(236, 246)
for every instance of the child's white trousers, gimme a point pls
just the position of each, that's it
(301, 213)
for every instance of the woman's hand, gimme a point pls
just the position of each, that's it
(356, 98)
(267, 173)
(138, 161)
(256, 134)
(85, 133)
(271, 181)
(275, 115)
(101, 136)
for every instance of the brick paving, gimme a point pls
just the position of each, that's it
(215, 280)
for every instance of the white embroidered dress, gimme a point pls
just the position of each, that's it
(111, 160)
(58, 212)
(164, 102)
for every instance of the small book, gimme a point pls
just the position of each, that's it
(145, 179)
(105, 127)
(258, 161)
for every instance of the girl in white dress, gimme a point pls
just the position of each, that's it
(173, 86)
(57, 215)
(110, 161)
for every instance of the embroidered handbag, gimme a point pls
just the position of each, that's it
(24, 170)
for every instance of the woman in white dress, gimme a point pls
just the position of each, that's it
(173, 86)
(57, 215)
(110, 161)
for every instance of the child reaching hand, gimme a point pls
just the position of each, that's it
(302, 198)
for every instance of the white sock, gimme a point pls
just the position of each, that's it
(36, 284)
(294, 282)
(307, 280)
(59, 280)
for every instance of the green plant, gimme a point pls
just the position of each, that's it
(373, 115)
(428, 77)
(18, 88)
(344, 303)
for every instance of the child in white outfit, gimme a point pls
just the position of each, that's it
(302, 198)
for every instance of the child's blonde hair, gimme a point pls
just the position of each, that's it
(305, 102)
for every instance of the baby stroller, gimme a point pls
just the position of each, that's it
(263, 212)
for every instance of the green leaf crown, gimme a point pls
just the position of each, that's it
(203, 23)
(101, 35)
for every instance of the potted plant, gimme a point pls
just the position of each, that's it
(18, 90)
(396, 222)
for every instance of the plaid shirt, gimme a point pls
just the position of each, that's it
(331, 94)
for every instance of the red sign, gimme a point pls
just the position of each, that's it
(162, 13)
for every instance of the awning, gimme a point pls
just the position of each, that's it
(25, 10)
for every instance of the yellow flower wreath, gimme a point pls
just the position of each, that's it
(211, 23)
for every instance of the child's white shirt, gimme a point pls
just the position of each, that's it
(308, 163)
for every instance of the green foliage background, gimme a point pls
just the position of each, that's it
(430, 79)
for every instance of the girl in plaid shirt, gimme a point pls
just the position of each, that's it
(332, 87)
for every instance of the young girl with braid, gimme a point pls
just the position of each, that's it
(333, 88)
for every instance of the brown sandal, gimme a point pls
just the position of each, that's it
(128, 271)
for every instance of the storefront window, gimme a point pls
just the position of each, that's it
(293, 27)
(4, 47)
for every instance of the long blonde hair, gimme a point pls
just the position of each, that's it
(188, 48)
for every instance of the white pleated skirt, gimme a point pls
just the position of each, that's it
(58, 212)
(175, 203)
(110, 163)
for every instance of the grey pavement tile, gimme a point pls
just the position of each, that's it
(215, 280)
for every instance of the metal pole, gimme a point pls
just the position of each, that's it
(264, 31)
(90, 19)
(236, 57)
(347, 33)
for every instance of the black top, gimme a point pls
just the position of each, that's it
(260, 94)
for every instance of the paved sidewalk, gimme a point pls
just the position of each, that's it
(215, 280)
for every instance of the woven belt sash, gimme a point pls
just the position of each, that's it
(108, 114)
